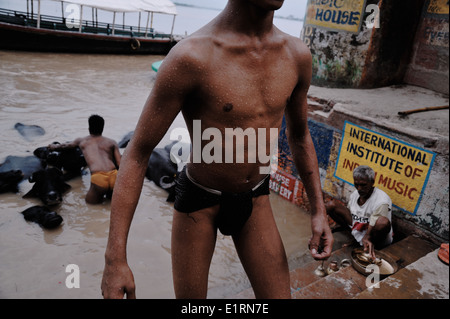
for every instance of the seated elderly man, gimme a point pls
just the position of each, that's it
(368, 212)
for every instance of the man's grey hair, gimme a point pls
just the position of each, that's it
(364, 172)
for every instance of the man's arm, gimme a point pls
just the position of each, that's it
(174, 81)
(382, 211)
(116, 155)
(68, 145)
(305, 157)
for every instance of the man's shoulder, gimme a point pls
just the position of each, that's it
(354, 195)
(379, 197)
(299, 49)
(187, 57)
(381, 194)
(109, 140)
(191, 49)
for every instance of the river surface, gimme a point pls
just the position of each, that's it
(59, 92)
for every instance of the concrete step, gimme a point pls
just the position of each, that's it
(303, 266)
(303, 275)
(426, 278)
(343, 284)
(347, 283)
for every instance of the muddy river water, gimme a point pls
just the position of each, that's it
(59, 92)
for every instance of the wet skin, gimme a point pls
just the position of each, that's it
(239, 71)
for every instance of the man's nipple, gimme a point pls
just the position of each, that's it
(228, 107)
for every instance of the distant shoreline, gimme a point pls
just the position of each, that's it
(290, 17)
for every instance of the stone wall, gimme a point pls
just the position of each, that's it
(429, 64)
(430, 220)
(407, 44)
(338, 56)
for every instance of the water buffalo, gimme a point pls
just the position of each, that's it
(70, 161)
(27, 165)
(49, 186)
(125, 140)
(164, 164)
(9, 181)
(29, 131)
(43, 216)
(163, 169)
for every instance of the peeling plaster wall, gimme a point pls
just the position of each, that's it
(373, 57)
(338, 56)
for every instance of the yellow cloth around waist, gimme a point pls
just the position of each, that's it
(104, 179)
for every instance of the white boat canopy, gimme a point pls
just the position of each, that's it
(124, 6)
(156, 6)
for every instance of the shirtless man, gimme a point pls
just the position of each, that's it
(239, 71)
(102, 157)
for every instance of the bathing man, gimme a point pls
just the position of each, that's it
(102, 157)
(239, 71)
(368, 212)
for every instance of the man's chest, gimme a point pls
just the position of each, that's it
(235, 84)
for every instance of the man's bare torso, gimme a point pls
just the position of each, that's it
(245, 83)
(98, 152)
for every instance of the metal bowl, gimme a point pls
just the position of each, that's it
(361, 264)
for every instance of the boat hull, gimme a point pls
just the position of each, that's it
(24, 38)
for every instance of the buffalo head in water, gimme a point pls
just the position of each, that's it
(42, 216)
(70, 161)
(49, 186)
(10, 180)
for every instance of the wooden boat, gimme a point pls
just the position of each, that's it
(32, 31)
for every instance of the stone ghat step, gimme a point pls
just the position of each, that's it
(426, 278)
(346, 283)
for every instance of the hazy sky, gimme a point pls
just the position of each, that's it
(290, 7)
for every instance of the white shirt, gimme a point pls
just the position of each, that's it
(378, 204)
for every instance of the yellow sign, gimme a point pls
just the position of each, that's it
(402, 170)
(341, 15)
(438, 7)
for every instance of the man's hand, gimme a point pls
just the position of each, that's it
(117, 281)
(321, 242)
(368, 246)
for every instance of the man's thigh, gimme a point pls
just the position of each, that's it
(96, 194)
(193, 242)
(262, 253)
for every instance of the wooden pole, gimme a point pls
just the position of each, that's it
(425, 109)
(146, 27)
(39, 14)
(114, 22)
(173, 26)
(139, 23)
(81, 19)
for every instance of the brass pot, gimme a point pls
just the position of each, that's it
(386, 263)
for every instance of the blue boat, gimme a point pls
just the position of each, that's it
(156, 65)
